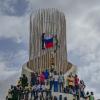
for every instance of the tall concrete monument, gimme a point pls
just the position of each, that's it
(47, 46)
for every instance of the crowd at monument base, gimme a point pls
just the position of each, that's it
(49, 85)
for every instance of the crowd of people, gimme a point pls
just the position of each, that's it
(44, 84)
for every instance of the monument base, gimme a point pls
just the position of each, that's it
(25, 70)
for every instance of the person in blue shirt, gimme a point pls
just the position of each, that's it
(46, 74)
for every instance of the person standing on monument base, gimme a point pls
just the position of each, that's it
(42, 78)
(66, 85)
(24, 81)
(51, 78)
(56, 81)
(76, 80)
(33, 78)
(46, 74)
(71, 83)
(47, 88)
(82, 87)
(91, 96)
(14, 92)
(61, 81)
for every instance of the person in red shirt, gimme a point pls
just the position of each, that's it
(42, 78)
(76, 82)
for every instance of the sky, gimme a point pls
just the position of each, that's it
(83, 43)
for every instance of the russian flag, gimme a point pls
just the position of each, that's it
(48, 42)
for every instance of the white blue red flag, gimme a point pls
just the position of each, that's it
(48, 41)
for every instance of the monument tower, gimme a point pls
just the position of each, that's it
(47, 46)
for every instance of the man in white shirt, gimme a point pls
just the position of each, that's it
(51, 78)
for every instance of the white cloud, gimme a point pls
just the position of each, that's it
(14, 27)
(4, 5)
(6, 70)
